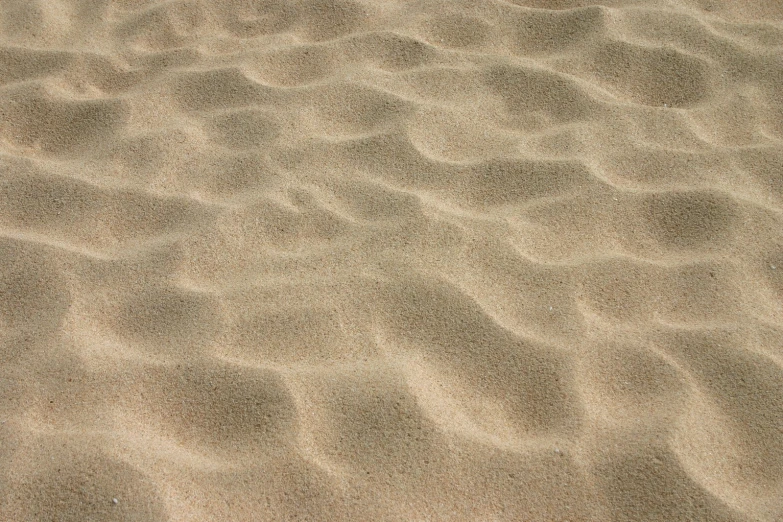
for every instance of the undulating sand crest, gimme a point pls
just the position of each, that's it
(386, 260)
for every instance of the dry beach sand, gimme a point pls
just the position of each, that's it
(387, 260)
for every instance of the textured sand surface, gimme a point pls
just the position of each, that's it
(389, 260)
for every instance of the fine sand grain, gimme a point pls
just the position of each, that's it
(488, 260)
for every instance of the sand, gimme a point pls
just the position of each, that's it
(385, 260)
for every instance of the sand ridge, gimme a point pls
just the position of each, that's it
(425, 260)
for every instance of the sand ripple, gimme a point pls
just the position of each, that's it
(498, 260)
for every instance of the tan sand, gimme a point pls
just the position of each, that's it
(385, 260)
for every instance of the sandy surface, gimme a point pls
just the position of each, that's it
(387, 260)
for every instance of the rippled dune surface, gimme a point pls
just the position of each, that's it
(391, 260)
